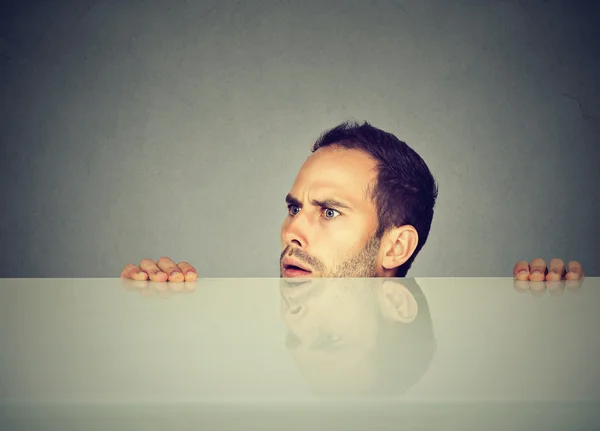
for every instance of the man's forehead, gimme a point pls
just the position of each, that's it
(340, 164)
(337, 173)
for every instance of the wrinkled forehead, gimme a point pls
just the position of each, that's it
(336, 168)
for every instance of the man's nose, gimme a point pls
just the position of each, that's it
(295, 233)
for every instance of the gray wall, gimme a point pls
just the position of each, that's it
(135, 129)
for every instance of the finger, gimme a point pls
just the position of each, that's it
(537, 270)
(556, 270)
(575, 271)
(168, 266)
(521, 270)
(150, 268)
(188, 270)
(132, 272)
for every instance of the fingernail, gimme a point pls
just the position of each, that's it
(176, 272)
(522, 272)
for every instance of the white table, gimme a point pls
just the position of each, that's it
(260, 354)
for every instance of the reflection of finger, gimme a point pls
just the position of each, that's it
(134, 284)
(537, 270)
(556, 270)
(165, 294)
(575, 271)
(189, 287)
(521, 285)
(556, 288)
(573, 285)
(176, 286)
(147, 293)
(521, 270)
(537, 288)
(161, 287)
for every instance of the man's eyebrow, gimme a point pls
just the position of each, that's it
(325, 203)
(330, 203)
(291, 200)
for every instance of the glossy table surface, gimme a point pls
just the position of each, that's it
(427, 353)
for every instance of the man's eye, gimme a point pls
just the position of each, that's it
(330, 213)
(327, 342)
(293, 209)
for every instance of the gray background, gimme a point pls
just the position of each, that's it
(140, 129)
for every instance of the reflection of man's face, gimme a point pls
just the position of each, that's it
(349, 337)
(332, 331)
(332, 220)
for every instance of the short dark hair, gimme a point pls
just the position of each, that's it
(405, 192)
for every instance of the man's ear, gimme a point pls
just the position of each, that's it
(397, 246)
(397, 303)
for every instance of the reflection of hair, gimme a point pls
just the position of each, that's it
(404, 351)
(405, 191)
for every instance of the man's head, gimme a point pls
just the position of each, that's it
(361, 206)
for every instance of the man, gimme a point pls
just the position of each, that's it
(361, 206)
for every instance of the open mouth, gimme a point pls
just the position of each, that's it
(295, 268)
(295, 271)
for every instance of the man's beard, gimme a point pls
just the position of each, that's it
(362, 265)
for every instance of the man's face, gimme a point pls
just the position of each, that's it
(331, 222)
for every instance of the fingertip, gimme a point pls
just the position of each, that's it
(176, 276)
(159, 276)
(191, 276)
(537, 276)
